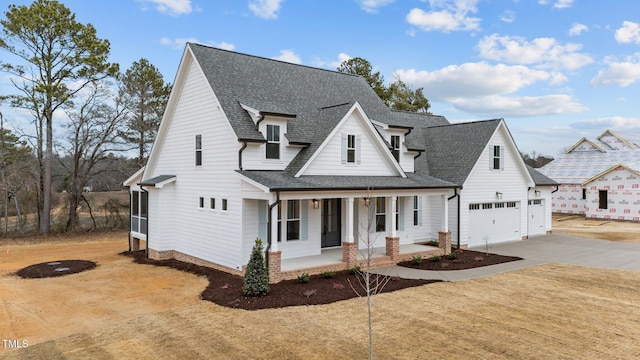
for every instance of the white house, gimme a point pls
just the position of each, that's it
(599, 178)
(314, 163)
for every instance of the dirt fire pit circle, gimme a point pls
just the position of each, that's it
(55, 268)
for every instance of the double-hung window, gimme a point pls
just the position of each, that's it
(198, 150)
(416, 211)
(381, 214)
(273, 142)
(497, 158)
(351, 149)
(395, 146)
(293, 220)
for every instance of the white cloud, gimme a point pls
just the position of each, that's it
(288, 56)
(628, 33)
(577, 29)
(613, 122)
(342, 57)
(371, 6)
(559, 4)
(446, 16)
(474, 80)
(266, 9)
(508, 16)
(543, 52)
(621, 73)
(171, 7)
(179, 43)
(520, 106)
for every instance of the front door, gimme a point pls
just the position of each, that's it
(331, 229)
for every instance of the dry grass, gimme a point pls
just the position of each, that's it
(126, 310)
(625, 231)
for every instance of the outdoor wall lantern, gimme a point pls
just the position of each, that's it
(366, 201)
(537, 193)
(316, 203)
(498, 195)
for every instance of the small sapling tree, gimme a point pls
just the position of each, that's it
(256, 277)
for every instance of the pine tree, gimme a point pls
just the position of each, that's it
(256, 277)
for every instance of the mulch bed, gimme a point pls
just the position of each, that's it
(466, 259)
(226, 289)
(55, 268)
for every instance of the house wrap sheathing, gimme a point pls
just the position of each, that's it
(598, 178)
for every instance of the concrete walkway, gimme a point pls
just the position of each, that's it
(559, 248)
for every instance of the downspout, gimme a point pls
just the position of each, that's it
(269, 222)
(146, 250)
(244, 146)
(259, 121)
(557, 188)
(130, 212)
(455, 194)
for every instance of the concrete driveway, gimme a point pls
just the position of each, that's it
(573, 250)
(558, 248)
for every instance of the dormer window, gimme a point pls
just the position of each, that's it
(273, 142)
(395, 147)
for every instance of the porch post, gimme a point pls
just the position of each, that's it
(444, 236)
(274, 228)
(350, 247)
(392, 240)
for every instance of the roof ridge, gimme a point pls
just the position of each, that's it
(465, 123)
(270, 59)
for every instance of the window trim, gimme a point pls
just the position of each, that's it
(351, 148)
(295, 217)
(225, 205)
(416, 211)
(497, 159)
(198, 150)
(212, 203)
(382, 214)
(273, 137)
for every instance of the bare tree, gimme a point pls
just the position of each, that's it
(369, 284)
(93, 138)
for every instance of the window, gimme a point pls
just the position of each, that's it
(224, 204)
(381, 215)
(198, 150)
(397, 213)
(139, 212)
(603, 199)
(273, 142)
(280, 222)
(496, 158)
(351, 149)
(511, 204)
(584, 194)
(212, 203)
(201, 202)
(293, 220)
(487, 206)
(416, 211)
(499, 205)
(395, 146)
(474, 206)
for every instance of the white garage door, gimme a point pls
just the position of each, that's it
(494, 222)
(536, 217)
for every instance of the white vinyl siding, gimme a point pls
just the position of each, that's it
(330, 160)
(197, 111)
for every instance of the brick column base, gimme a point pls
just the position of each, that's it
(393, 248)
(350, 253)
(275, 265)
(135, 244)
(444, 241)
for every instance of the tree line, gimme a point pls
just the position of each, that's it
(64, 80)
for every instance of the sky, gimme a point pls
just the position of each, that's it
(555, 70)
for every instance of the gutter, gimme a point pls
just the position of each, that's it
(455, 195)
(557, 188)
(269, 222)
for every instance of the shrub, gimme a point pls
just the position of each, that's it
(434, 258)
(416, 260)
(303, 278)
(328, 274)
(355, 270)
(256, 277)
(452, 256)
(433, 243)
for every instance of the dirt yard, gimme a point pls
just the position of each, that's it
(124, 310)
(625, 231)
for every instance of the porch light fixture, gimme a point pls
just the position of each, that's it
(498, 195)
(366, 201)
(537, 192)
(316, 203)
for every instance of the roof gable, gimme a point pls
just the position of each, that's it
(359, 119)
(585, 144)
(609, 170)
(614, 140)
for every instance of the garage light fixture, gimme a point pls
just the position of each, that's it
(316, 203)
(498, 195)
(537, 193)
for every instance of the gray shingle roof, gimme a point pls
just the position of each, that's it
(453, 150)
(539, 178)
(279, 180)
